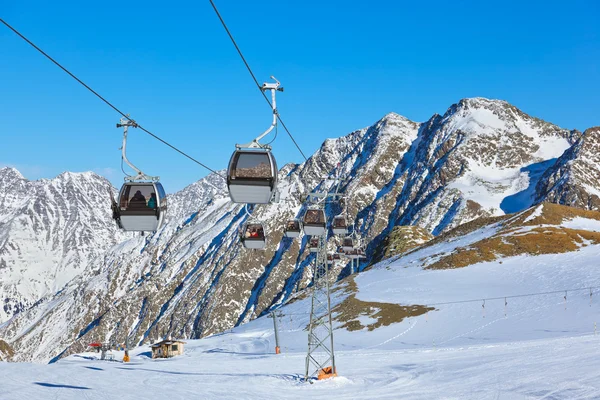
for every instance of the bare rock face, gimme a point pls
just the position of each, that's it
(192, 278)
(5, 351)
(404, 238)
(575, 177)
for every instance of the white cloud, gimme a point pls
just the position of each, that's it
(106, 172)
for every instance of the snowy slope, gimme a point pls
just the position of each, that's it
(537, 346)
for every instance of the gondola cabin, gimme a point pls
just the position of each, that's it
(313, 245)
(314, 222)
(337, 256)
(339, 225)
(252, 176)
(356, 254)
(142, 206)
(253, 236)
(348, 244)
(292, 228)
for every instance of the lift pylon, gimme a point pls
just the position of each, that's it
(320, 358)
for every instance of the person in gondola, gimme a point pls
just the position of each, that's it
(152, 201)
(138, 200)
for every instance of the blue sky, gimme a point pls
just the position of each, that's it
(343, 65)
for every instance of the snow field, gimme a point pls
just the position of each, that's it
(543, 347)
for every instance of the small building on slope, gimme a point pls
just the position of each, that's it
(167, 348)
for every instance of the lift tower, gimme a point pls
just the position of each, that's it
(320, 359)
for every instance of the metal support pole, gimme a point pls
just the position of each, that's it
(320, 336)
(276, 329)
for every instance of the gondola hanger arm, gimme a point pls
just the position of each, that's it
(273, 87)
(125, 123)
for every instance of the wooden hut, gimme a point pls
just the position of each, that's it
(167, 348)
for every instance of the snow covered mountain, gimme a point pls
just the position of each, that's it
(50, 230)
(482, 158)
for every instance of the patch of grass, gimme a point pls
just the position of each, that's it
(384, 314)
(543, 240)
(555, 214)
(5, 350)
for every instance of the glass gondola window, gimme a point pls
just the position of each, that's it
(162, 196)
(137, 196)
(254, 231)
(293, 225)
(339, 222)
(252, 165)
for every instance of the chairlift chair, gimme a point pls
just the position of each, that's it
(292, 228)
(339, 225)
(314, 222)
(142, 201)
(252, 235)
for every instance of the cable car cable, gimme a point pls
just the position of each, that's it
(104, 100)
(254, 77)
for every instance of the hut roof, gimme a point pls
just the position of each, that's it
(167, 342)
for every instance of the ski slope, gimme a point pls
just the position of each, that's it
(535, 347)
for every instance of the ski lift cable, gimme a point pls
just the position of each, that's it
(483, 301)
(105, 100)
(254, 77)
(590, 288)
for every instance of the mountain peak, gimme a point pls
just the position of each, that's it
(392, 116)
(482, 102)
(6, 172)
(77, 175)
(593, 131)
